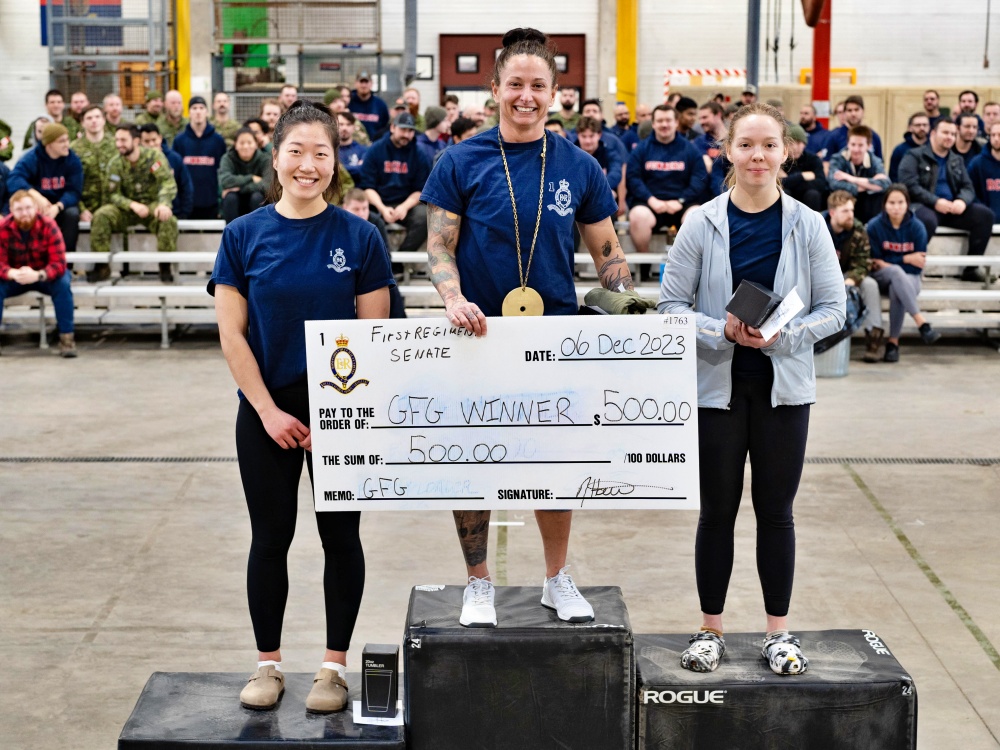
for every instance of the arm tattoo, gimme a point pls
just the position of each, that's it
(606, 250)
(614, 272)
(474, 534)
(442, 241)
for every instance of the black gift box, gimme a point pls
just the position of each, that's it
(855, 696)
(202, 711)
(753, 303)
(379, 680)
(531, 683)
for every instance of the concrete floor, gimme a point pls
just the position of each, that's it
(110, 571)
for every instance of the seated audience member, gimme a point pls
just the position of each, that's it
(55, 108)
(899, 253)
(262, 132)
(392, 176)
(802, 176)
(968, 101)
(78, 102)
(666, 176)
(942, 193)
(966, 144)
(173, 122)
(748, 96)
(687, 118)
(850, 240)
(555, 126)
(710, 118)
(450, 104)
(287, 96)
(567, 113)
(860, 172)
(270, 112)
(6, 142)
(202, 150)
(612, 161)
(141, 190)
(411, 98)
(839, 111)
(224, 125)
(643, 113)
(463, 129)
(36, 127)
(95, 150)
(626, 132)
(854, 114)
(917, 129)
(431, 141)
(476, 114)
(985, 172)
(150, 137)
(33, 259)
(53, 176)
(991, 114)
(779, 105)
(356, 202)
(352, 153)
(244, 176)
(153, 109)
(370, 111)
(113, 107)
(932, 107)
(815, 131)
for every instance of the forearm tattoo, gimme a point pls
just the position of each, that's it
(474, 534)
(614, 272)
(442, 240)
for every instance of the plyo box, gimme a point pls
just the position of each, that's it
(855, 696)
(202, 710)
(533, 682)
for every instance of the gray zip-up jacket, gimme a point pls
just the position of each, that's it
(698, 278)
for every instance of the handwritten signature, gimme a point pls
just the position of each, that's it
(592, 487)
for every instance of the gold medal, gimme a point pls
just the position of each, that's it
(523, 301)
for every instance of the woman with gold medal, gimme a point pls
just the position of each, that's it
(500, 213)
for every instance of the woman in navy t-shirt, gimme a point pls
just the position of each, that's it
(500, 213)
(899, 252)
(298, 259)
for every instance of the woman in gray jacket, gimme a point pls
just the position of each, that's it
(244, 176)
(753, 394)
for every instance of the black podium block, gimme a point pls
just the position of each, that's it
(855, 696)
(532, 683)
(178, 710)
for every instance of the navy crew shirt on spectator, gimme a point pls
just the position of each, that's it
(392, 177)
(53, 175)
(860, 172)
(371, 111)
(985, 172)
(666, 176)
(33, 259)
(942, 193)
(202, 150)
(854, 114)
(917, 129)
(352, 153)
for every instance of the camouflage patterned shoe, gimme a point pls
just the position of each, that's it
(704, 653)
(783, 654)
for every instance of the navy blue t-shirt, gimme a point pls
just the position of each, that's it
(942, 189)
(754, 251)
(294, 270)
(469, 180)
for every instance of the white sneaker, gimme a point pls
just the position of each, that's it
(561, 594)
(477, 604)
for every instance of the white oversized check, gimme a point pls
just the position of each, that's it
(548, 413)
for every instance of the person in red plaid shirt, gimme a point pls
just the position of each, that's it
(33, 258)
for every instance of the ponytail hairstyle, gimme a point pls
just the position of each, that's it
(757, 108)
(524, 42)
(305, 112)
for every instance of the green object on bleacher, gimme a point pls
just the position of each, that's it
(619, 303)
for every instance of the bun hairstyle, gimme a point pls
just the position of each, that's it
(757, 108)
(524, 42)
(305, 112)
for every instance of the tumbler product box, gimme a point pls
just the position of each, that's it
(855, 695)
(753, 303)
(531, 683)
(379, 680)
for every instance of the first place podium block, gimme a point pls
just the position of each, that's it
(855, 696)
(178, 710)
(531, 683)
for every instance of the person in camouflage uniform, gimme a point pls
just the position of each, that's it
(153, 113)
(96, 150)
(140, 190)
(6, 142)
(224, 125)
(172, 121)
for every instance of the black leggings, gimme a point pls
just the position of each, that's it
(775, 438)
(271, 481)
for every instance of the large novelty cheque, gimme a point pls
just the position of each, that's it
(559, 412)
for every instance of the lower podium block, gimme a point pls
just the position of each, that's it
(855, 696)
(531, 683)
(178, 710)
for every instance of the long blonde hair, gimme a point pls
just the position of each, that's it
(757, 108)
